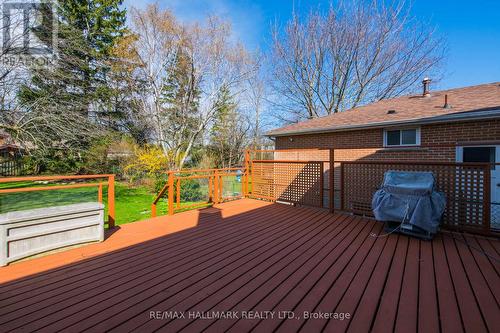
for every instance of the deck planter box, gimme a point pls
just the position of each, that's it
(30, 232)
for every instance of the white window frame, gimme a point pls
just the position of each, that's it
(417, 133)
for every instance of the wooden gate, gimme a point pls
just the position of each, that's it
(298, 182)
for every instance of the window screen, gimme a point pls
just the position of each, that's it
(393, 138)
(404, 137)
(409, 137)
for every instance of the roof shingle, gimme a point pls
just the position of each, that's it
(407, 108)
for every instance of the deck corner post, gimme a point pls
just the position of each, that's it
(331, 186)
(153, 210)
(111, 201)
(247, 173)
(171, 176)
(216, 187)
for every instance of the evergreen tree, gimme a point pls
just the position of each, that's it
(73, 92)
(87, 31)
(101, 23)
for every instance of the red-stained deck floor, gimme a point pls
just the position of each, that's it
(250, 256)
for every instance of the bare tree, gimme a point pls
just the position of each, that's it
(219, 63)
(195, 61)
(356, 53)
(256, 95)
(153, 48)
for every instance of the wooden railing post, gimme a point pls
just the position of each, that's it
(331, 192)
(111, 201)
(210, 189)
(171, 193)
(216, 187)
(321, 185)
(221, 187)
(342, 184)
(99, 193)
(247, 173)
(178, 197)
(153, 209)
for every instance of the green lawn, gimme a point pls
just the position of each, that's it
(132, 203)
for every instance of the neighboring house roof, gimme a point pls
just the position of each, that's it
(475, 102)
(10, 147)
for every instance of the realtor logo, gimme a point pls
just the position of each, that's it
(29, 32)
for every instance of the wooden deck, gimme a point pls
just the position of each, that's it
(247, 256)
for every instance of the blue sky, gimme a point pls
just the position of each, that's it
(471, 28)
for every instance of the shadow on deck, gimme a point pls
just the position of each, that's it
(248, 255)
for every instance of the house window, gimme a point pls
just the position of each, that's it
(402, 137)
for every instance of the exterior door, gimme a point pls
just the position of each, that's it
(486, 154)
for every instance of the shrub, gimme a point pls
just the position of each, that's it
(148, 160)
(190, 188)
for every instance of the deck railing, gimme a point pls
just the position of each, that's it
(314, 177)
(466, 187)
(205, 186)
(109, 181)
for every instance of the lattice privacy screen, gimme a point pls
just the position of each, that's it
(295, 182)
(466, 188)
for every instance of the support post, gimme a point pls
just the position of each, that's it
(111, 201)
(247, 173)
(331, 192)
(221, 187)
(321, 184)
(178, 197)
(153, 210)
(171, 193)
(342, 189)
(210, 189)
(99, 193)
(216, 187)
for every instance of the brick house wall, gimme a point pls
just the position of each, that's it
(438, 142)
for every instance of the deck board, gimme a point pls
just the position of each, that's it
(123, 262)
(407, 313)
(367, 307)
(251, 255)
(449, 313)
(161, 273)
(389, 301)
(79, 291)
(471, 314)
(428, 308)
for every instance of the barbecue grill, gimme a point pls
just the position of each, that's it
(409, 203)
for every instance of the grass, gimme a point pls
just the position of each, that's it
(132, 203)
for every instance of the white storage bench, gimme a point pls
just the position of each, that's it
(30, 232)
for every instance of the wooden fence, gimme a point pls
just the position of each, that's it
(466, 187)
(9, 168)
